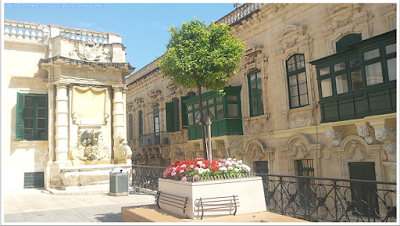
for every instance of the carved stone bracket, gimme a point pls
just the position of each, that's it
(367, 132)
(337, 135)
(384, 134)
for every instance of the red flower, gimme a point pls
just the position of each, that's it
(214, 168)
(206, 162)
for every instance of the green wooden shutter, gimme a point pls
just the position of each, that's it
(184, 113)
(130, 128)
(140, 123)
(170, 116)
(20, 116)
(176, 114)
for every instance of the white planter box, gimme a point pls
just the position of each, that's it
(250, 192)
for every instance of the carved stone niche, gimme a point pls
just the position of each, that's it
(337, 135)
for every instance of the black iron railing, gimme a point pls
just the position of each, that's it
(330, 199)
(153, 139)
(145, 178)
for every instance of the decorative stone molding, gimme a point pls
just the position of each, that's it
(367, 132)
(165, 153)
(254, 59)
(384, 134)
(337, 135)
(90, 146)
(156, 97)
(390, 148)
(346, 19)
(389, 14)
(236, 145)
(255, 149)
(178, 137)
(256, 125)
(299, 150)
(90, 51)
(29, 79)
(139, 103)
(357, 151)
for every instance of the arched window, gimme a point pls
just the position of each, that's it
(140, 123)
(255, 93)
(347, 40)
(130, 127)
(297, 81)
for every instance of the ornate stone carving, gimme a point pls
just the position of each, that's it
(300, 120)
(139, 102)
(299, 150)
(89, 50)
(390, 148)
(384, 134)
(155, 96)
(254, 58)
(256, 153)
(357, 152)
(367, 132)
(165, 153)
(337, 135)
(90, 146)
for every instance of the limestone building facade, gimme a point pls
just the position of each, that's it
(315, 96)
(63, 107)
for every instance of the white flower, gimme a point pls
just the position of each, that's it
(230, 168)
(201, 171)
(234, 159)
(236, 170)
(207, 170)
(223, 168)
(183, 166)
(199, 162)
(229, 163)
(192, 166)
(239, 162)
(228, 159)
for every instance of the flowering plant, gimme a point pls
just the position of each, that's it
(198, 169)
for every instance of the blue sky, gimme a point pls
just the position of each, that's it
(144, 26)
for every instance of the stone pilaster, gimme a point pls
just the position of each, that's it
(118, 121)
(61, 124)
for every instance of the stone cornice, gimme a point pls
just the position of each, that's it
(53, 60)
(28, 79)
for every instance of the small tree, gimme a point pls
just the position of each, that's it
(200, 56)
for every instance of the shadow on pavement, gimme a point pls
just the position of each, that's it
(109, 217)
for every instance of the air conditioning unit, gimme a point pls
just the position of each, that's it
(119, 182)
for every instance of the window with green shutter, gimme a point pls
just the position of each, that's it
(359, 81)
(156, 120)
(130, 127)
(347, 40)
(255, 93)
(297, 81)
(170, 116)
(223, 110)
(361, 191)
(31, 118)
(140, 123)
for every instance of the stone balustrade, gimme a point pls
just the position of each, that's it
(239, 13)
(25, 31)
(32, 32)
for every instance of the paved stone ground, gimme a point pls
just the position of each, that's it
(34, 205)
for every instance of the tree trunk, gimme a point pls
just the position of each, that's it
(202, 124)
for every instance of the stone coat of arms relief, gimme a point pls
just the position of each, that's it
(90, 51)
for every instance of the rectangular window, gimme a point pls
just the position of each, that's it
(391, 64)
(326, 87)
(356, 80)
(233, 110)
(355, 62)
(34, 180)
(156, 118)
(341, 84)
(373, 74)
(176, 114)
(339, 66)
(324, 71)
(130, 127)
(371, 54)
(255, 94)
(31, 116)
(220, 111)
(140, 123)
(190, 118)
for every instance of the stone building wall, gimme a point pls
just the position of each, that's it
(272, 34)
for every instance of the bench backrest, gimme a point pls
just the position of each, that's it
(226, 205)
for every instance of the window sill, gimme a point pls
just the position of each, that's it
(29, 143)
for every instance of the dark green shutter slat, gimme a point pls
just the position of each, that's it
(184, 113)
(169, 106)
(140, 123)
(130, 128)
(176, 114)
(20, 116)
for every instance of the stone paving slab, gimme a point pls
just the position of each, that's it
(34, 205)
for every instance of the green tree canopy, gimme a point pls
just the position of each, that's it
(201, 56)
